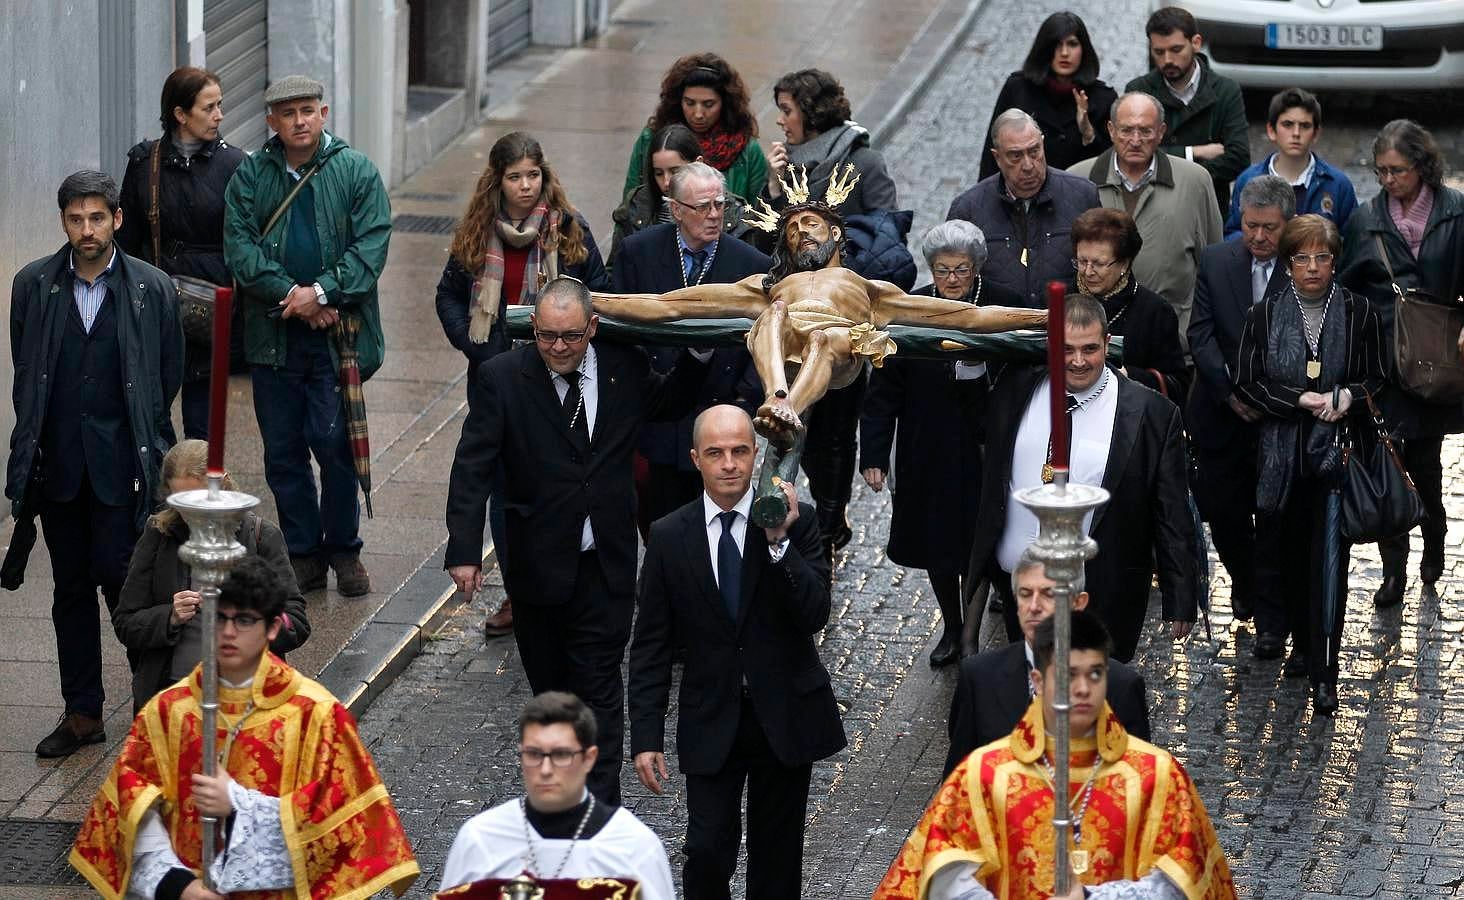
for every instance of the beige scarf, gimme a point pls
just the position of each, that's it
(541, 266)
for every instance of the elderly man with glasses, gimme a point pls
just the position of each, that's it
(698, 240)
(562, 414)
(558, 835)
(1172, 200)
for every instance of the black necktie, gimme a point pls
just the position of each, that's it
(729, 565)
(574, 406)
(698, 259)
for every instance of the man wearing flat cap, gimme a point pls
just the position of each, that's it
(306, 228)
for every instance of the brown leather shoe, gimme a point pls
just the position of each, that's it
(73, 731)
(351, 577)
(501, 622)
(309, 573)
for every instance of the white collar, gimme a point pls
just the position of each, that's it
(586, 367)
(1306, 174)
(1258, 264)
(710, 509)
(1191, 87)
(1096, 390)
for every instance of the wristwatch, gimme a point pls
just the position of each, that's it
(320, 294)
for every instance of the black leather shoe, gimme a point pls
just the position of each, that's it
(1269, 646)
(1324, 699)
(73, 732)
(1389, 593)
(947, 650)
(1296, 665)
(1242, 608)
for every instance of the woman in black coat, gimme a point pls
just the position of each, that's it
(194, 167)
(1430, 257)
(1105, 242)
(935, 409)
(156, 614)
(1059, 87)
(1309, 355)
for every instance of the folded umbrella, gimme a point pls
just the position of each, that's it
(1332, 555)
(349, 374)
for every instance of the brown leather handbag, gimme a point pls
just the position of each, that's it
(1426, 331)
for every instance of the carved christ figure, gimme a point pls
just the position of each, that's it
(814, 321)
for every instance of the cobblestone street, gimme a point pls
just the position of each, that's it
(1365, 805)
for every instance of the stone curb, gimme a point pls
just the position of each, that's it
(388, 641)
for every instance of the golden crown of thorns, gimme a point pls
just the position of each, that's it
(795, 188)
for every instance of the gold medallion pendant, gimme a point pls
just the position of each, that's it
(1047, 473)
(1314, 369)
(1080, 862)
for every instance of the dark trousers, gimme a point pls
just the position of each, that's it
(195, 409)
(1224, 484)
(1298, 533)
(578, 646)
(301, 414)
(1422, 457)
(90, 545)
(830, 453)
(777, 805)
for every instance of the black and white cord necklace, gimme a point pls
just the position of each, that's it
(531, 859)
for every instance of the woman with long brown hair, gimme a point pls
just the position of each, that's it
(519, 232)
(704, 93)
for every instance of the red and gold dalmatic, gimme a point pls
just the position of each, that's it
(995, 811)
(298, 743)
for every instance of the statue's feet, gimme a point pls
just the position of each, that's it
(777, 422)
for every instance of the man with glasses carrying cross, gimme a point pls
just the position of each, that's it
(301, 806)
(557, 837)
(563, 414)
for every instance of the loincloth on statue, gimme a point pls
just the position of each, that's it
(865, 341)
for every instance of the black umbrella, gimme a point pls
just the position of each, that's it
(1332, 554)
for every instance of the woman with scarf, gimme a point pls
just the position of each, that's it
(1105, 242)
(814, 114)
(1412, 235)
(704, 93)
(1311, 353)
(935, 409)
(519, 232)
(1058, 86)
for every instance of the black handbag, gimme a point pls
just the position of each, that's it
(1378, 497)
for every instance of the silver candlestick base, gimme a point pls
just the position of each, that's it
(1063, 546)
(213, 517)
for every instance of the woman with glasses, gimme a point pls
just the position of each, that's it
(519, 231)
(1058, 85)
(1410, 235)
(1105, 242)
(703, 92)
(156, 617)
(935, 410)
(1309, 355)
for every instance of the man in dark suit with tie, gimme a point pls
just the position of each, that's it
(562, 415)
(756, 704)
(994, 688)
(1124, 437)
(693, 249)
(1233, 276)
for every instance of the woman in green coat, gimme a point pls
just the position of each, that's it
(704, 93)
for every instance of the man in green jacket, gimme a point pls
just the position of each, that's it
(1204, 114)
(306, 228)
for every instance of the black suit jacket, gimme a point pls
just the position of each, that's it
(553, 478)
(1147, 516)
(770, 646)
(1222, 299)
(992, 696)
(648, 264)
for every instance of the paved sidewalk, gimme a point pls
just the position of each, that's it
(586, 105)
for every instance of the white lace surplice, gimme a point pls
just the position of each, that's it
(256, 858)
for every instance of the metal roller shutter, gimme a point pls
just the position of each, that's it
(508, 29)
(236, 35)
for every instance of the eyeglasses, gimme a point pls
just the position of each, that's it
(533, 758)
(1083, 265)
(241, 620)
(706, 207)
(1385, 172)
(1129, 131)
(1304, 259)
(960, 271)
(550, 338)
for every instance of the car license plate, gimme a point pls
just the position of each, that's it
(1289, 36)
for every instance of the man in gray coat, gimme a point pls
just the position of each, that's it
(1172, 200)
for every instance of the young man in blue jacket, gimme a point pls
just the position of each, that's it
(1293, 124)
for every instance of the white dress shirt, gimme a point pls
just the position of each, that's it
(710, 512)
(590, 392)
(1087, 462)
(1302, 180)
(1144, 179)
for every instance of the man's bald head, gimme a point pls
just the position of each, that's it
(722, 417)
(724, 448)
